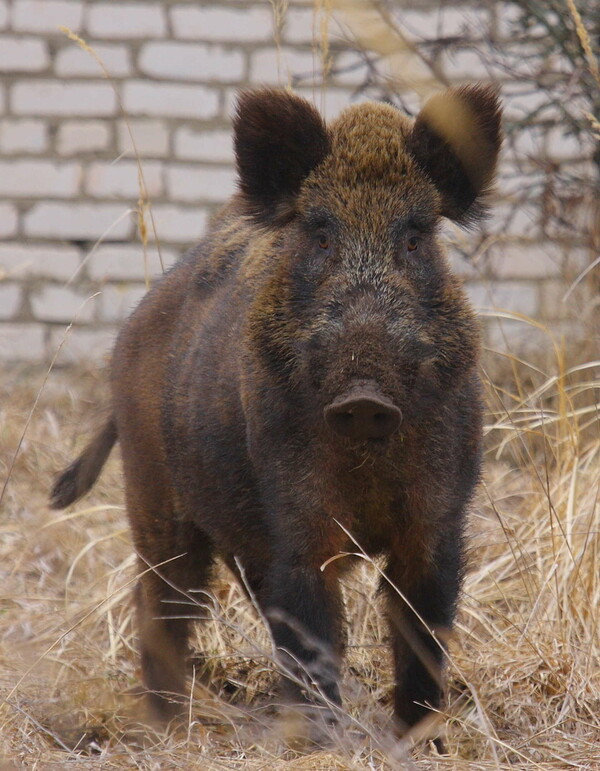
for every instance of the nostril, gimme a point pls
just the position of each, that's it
(361, 415)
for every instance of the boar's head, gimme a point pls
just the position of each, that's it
(357, 310)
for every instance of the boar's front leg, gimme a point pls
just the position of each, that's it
(304, 607)
(431, 588)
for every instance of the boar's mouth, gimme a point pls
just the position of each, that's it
(363, 413)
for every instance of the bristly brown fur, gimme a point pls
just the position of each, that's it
(227, 382)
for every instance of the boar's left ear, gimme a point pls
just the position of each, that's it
(456, 139)
(279, 139)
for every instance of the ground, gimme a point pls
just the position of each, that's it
(523, 667)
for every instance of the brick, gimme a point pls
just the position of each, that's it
(121, 180)
(117, 302)
(81, 344)
(518, 219)
(210, 145)
(37, 178)
(9, 220)
(151, 138)
(46, 15)
(513, 296)
(515, 185)
(192, 61)
(461, 266)
(77, 137)
(562, 146)
(331, 101)
(521, 99)
(303, 25)
(177, 101)
(469, 64)
(525, 260)
(41, 97)
(447, 22)
(23, 136)
(529, 142)
(64, 304)
(515, 336)
(22, 342)
(507, 15)
(23, 261)
(126, 20)
(553, 302)
(23, 54)
(267, 65)
(236, 25)
(10, 300)
(78, 221)
(73, 60)
(178, 224)
(349, 69)
(186, 183)
(126, 262)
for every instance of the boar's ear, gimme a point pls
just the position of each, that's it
(279, 139)
(456, 139)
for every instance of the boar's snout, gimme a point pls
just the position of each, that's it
(363, 412)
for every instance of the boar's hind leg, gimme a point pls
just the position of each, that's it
(166, 606)
(418, 657)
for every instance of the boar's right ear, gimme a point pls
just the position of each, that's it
(456, 139)
(279, 139)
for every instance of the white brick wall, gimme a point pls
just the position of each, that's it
(79, 137)
(23, 136)
(46, 16)
(127, 263)
(22, 342)
(62, 99)
(126, 20)
(10, 300)
(121, 180)
(233, 25)
(39, 179)
(78, 221)
(190, 184)
(178, 101)
(150, 137)
(73, 61)
(78, 345)
(23, 54)
(208, 145)
(68, 173)
(9, 220)
(29, 261)
(64, 304)
(116, 302)
(274, 66)
(181, 225)
(191, 61)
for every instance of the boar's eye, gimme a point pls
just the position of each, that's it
(412, 244)
(323, 241)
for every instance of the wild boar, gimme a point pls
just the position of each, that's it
(305, 379)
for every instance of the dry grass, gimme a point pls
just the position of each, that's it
(523, 669)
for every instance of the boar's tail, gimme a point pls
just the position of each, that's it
(80, 476)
